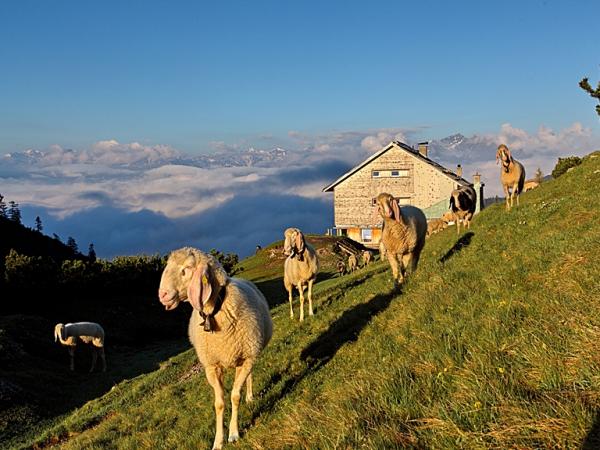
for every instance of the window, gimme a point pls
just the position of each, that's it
(399, 173)
(374, 201)
(403, 200)
(375, 174)
(366, 234)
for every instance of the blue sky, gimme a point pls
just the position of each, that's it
(188, 73)
(117, 96)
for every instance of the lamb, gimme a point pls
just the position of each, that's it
(463, 202)
(341, 268)
(529, 185)
(512, 175)
(435, 226)
(352, 263)
(229, 326)
(403, 235)
(300, 268)
(86, 332)
(366, 257)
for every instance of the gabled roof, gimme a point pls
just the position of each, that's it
(414, 153)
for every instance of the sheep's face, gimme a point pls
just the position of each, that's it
(503, 154)
(388, 207)
(294, 243)
(175, 279)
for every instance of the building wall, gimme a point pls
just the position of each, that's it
(423, 187)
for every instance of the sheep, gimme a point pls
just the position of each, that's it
(366, 257)
(229, 326)
(512, 175)
(463, 202)
(529, 185)
(341, 267)
(435, 225)
(300, 268)
(403, 235)
(352, 263)
(86, 332)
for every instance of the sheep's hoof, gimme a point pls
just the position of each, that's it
(249, 398)
(233, 437)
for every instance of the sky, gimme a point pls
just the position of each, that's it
(120, 82)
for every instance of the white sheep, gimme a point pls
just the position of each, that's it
(366, 257)
(403, 235)
(229, 326)
(512, 175)
(86, 332)
(300, 268)
(352, 263)
(463, 202)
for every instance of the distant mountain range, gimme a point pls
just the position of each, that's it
(454, 149)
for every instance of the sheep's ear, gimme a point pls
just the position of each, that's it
(396, 209)
(299, 241)
(56, 332)
(200, 288)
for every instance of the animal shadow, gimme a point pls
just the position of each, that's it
(463, 242)
(345, 329)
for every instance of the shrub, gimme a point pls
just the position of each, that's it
(565, 164)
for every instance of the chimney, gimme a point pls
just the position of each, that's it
(423, 148)
(477, 178)
(459, 170)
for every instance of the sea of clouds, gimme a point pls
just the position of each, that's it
(130, 198)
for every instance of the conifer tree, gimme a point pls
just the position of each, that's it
(72, 244)
(92, 253)
(3, 210)
(594, 93)
(14, 213)
(38, 224)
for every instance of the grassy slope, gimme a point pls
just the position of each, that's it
(492, 343)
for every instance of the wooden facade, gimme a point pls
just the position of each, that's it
(406, 173)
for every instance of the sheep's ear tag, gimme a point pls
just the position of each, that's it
(204, 279)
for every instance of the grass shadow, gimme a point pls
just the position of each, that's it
(462, 242)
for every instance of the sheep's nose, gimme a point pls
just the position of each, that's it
(162, 293)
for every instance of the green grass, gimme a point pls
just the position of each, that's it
(492, 343)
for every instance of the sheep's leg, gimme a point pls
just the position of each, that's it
(291, 305)
(507, 196)
(249, 396)
(241, 374)
(94, 358)
(407, 261)
(301, 290)
(103, 358)
(394, 265)
(457, 219)
(72, 357)
(310, 308)
(214, 376)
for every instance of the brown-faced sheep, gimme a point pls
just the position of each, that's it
(86, 332)
(300, 268)
(229, 326)
(403, 235)
(512, 175)
(463, 202)
(341, 268)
